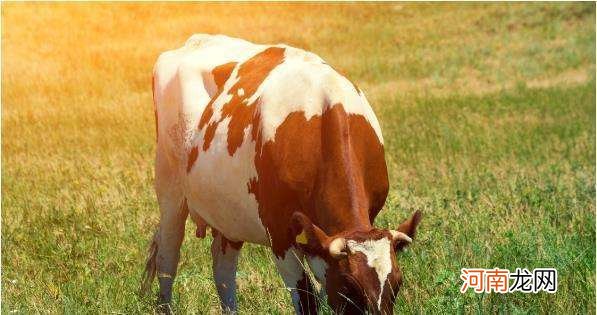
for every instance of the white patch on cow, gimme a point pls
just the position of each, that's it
(378, 258)
(241, 92)
(217, 188)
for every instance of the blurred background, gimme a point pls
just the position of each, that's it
(487, 110)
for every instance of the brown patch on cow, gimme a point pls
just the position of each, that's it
(241, 116)
(226, 242)
(330, 167)
(252, 185)
(209, 134)
(222, 73)
(208, 112)
(251, 75)
(192, 158)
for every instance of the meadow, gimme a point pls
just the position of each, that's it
(488, 115)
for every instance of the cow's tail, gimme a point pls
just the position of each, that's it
(150, 264)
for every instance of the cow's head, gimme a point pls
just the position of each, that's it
(358, 269)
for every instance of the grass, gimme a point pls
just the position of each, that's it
(488, 113)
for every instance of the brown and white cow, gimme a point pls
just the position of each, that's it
(270, 145)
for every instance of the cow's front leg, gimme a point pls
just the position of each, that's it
(297, 281)
(225, 260)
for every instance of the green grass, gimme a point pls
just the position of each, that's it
(488, 115)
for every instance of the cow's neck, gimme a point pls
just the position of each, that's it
(342, 202)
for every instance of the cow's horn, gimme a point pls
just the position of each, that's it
(399, 236)
(337, 247)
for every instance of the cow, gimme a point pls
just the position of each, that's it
(268, 144)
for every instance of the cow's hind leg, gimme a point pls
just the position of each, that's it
(172, 224)
(297, 281)
(165, 247)
(225, 260)
(164, 254)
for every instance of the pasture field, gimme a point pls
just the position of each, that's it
(488, 115)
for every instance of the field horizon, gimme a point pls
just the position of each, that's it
(487, 112)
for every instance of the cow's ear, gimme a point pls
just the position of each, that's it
(308, 235)
(408, 227)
